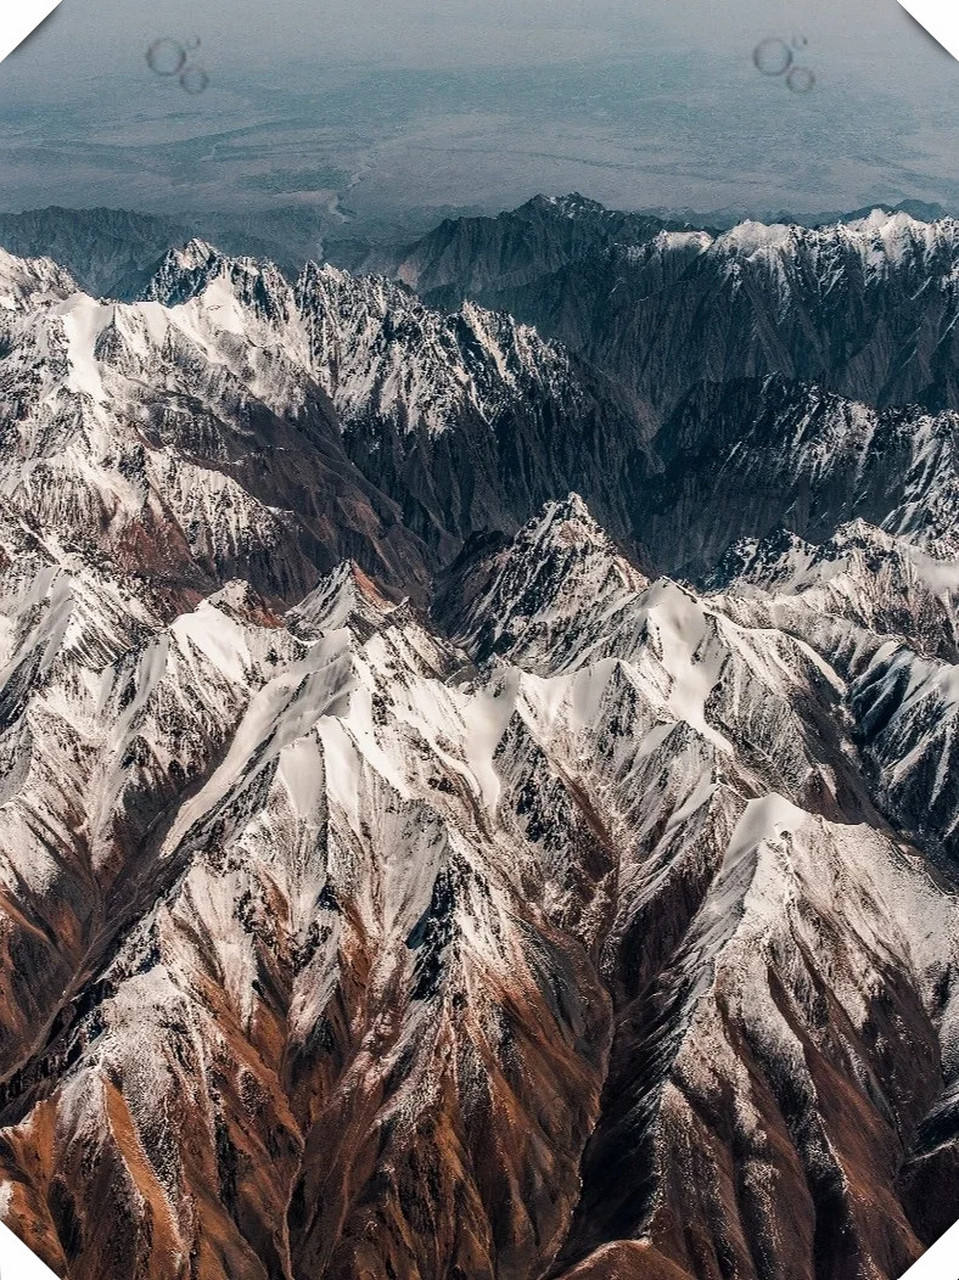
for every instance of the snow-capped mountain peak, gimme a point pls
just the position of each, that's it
(396, 880)
(31, 282)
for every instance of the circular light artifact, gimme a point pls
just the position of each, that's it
(166, 57)
(773, 57)
(194, 80)
(800, 80)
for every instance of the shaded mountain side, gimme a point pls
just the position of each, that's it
(866, 306)
(109, 252)
(744, 458)
(463, 257)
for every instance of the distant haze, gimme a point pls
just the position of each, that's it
(381, 111)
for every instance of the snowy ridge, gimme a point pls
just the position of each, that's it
(598, 867)
(381, 352)
(211, 425)
(880, 581)
(396, 883)
(883, 241)
(161, 436)
(865, 307)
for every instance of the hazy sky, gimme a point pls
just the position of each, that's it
(100, 35)
(378, 108)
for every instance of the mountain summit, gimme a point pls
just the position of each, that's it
(461, 818)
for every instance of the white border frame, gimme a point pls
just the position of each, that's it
(940, 18)
(17, 1262)
(18, 18)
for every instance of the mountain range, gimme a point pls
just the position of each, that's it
(478, 754)
(866, 308)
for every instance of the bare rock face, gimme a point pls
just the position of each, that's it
(232, 424)
(398, 881)
(744, 458)
(865, 307)
(465, 257)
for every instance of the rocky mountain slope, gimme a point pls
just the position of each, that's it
(400, 879)
(744, 457)
(463, 257)
(469, 420)
(356, 957)
(111, 252)
(232, 420)
(114, 252)
(865, 307)
(180, 446)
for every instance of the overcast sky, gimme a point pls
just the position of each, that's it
(472, 102)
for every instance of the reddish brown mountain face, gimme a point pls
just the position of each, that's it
(551, 921)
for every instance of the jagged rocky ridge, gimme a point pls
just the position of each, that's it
(463, 257)
(115, 252)
(232, 420)
(420, 429)
(866, 307)
(558, 920)
(111, 252)
(331, 951)
(742, 458)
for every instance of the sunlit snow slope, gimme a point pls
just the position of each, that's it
(400, 878)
